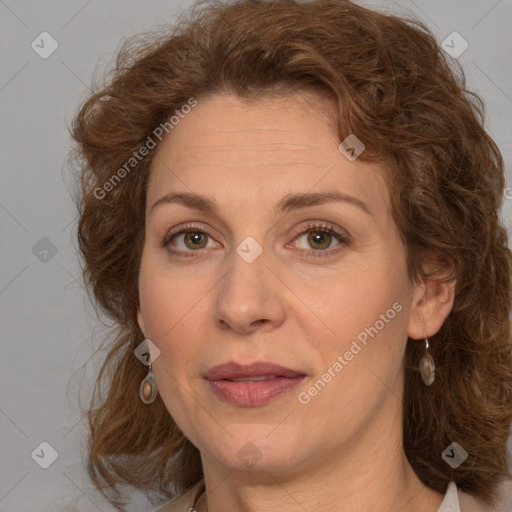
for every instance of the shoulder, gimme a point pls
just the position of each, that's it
(468, 503)
(184, 503)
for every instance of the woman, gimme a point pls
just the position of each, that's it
(290, 210)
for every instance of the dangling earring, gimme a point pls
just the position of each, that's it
(427, 366)
(148, 389)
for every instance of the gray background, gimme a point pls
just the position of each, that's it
(50, 332)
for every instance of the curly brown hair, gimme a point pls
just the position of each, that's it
(396, 89)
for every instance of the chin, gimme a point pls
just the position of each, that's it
(259, 449)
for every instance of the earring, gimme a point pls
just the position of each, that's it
(148, 389)
(427, 366)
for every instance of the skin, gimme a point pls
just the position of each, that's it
(203, 307)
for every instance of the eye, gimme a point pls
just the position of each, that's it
(187, 239)
(315, 240)
(319, 240)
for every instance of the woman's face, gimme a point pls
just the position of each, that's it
(284, 252)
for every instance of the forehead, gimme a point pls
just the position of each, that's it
(262, 150)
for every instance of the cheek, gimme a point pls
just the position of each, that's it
(368, 312)
(365, 292)
(168, 307)
(161, 298)
(171, 306)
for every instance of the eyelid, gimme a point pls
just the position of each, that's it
(194, 227)
(189, 226)
(323, 226)
(344, 239)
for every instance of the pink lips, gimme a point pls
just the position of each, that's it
(251, 385)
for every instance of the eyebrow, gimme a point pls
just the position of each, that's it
(288, 203)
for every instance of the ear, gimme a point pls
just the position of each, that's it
(140, 321)
(432, 299)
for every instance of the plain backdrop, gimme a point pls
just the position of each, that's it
(50, 331)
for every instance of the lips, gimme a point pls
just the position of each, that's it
(256, 371)
(253, 379)
(251, 385)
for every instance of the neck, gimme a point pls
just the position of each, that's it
(368, 472)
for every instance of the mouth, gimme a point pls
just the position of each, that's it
(254, 372)
(251, 385)
(253, 379)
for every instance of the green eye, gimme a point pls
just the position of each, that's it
(320, 239)
(195, 239)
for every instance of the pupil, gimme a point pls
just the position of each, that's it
(195, 238)
(319, 238)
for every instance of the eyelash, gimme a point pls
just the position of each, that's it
(343, 240)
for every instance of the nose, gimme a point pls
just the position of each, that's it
(249, 298)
